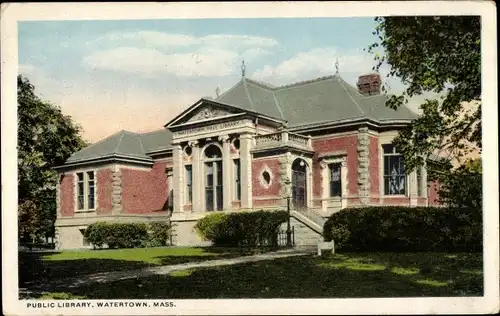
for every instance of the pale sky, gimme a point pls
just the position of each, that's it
(138, 74)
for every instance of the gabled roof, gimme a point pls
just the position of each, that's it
(325, 99)
(124, 145)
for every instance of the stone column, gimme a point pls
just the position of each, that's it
(285, 174)
(246, 141)
(178, 177)
(197, 176)
(324, 185)
(363, 166)
(226, 172)
(423, 184)
(413, 187)
(116, 191)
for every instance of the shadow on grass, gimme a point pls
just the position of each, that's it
(35, 268)
(344, 276)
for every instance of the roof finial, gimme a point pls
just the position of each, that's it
(337, 66)
(243, 68)
(217, 91)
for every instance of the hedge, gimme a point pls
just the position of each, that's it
(242, 229)
(128, 235)
(398, 228)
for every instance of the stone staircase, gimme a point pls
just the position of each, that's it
(308, 226)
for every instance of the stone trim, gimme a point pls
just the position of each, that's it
(285, 162)
(363, 166)
(116, 191)
(119, 218)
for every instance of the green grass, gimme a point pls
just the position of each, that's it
(42, 267)
(341, 276)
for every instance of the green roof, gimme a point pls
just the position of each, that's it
(326, 99)
(319, 101)
(125, 144)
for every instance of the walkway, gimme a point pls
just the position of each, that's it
(106, 277)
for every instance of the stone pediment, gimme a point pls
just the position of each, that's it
(207, 112)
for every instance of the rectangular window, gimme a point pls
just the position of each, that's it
(335, 180)
(189, 184)
(237, 179)
(394, 171)
(80, 188)
(91, 190)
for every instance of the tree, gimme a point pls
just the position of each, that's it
(440, 54)
(46, 138)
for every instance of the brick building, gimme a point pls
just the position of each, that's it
(322, 142)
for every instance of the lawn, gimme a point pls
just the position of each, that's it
(341, 276)
(41, 267)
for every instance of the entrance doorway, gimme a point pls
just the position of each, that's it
(299, 184)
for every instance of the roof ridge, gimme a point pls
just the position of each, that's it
(119, 141)
(261, 84)
(272, 93)
(278, 105)
(350, 96)
(230, 89)
(101, 141)
(248, 94)
(155, 131)
(140, 142)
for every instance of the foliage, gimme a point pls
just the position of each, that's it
(117, 235)
(242, 228)
(159, 234)
(399, 228)
(440, 54)
(46, 138)
(463, 187)
(28, 220)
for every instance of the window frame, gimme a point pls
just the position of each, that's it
(395, 155)
(330, 167)
(189, 185)
(86, 190)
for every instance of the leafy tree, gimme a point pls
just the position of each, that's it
(462, 187)
(439, 54)
(46, 138)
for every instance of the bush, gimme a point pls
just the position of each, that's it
(398, 228)
(128, 235)
(242, 229)
(159, 234)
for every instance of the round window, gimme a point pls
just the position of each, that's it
(266, 178)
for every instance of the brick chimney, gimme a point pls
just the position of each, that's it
(369, 84)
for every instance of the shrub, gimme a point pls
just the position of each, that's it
(159, 234)
(242, 229)
(127, 235)
(396, 228)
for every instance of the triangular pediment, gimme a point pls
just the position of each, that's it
(204, 111)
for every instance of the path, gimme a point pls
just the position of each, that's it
(106, 277)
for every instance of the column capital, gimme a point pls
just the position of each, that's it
(224, 138)
(176, 145)
(194, 143)
(323, 164)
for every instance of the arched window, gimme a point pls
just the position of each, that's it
(213, 178)
(299, 184)
(213, 152)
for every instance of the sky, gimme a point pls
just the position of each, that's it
(138, 74)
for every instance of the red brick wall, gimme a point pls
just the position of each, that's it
(144, 191)
(432, 193)
(347, 143)
(374, 166)
(67, 195)
(104, 191)
(257, 169)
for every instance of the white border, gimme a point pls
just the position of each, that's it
(11, 13)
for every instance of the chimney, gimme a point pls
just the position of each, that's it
(369, 84)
